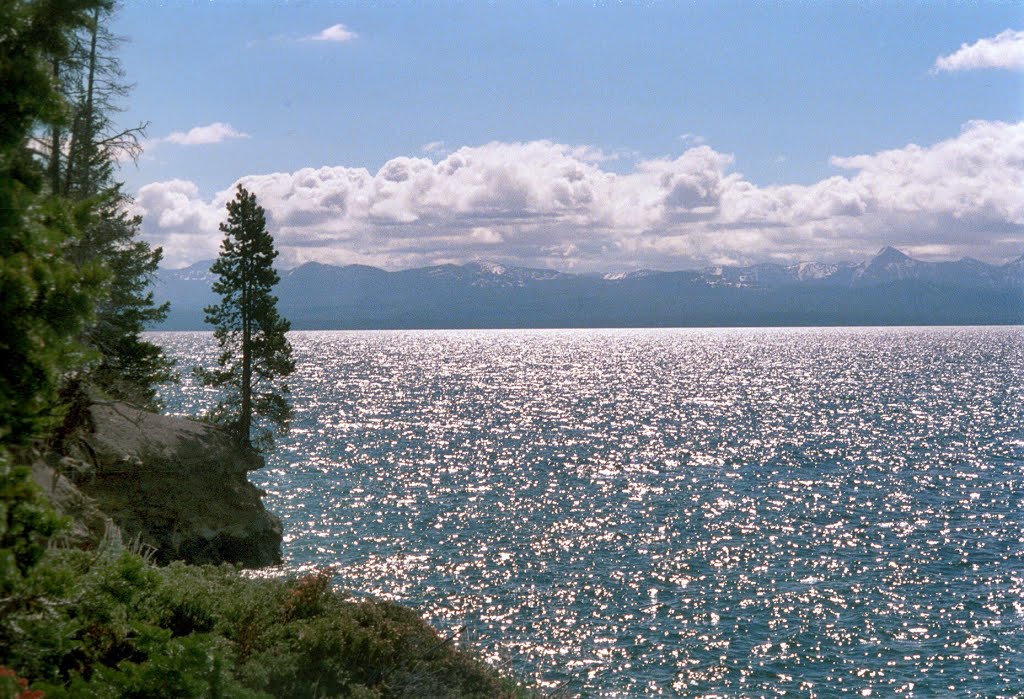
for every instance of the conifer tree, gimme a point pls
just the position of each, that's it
(255, 356)
(128, 366)
(45, 301)
(81, 151)
(82, 162)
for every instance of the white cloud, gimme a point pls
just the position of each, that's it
(978, 175)
(553, 205)
(433, 147)
(203, 135)
(176, 218)
(1004, 50)
(337, 33)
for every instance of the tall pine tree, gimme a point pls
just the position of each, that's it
(45, 301)
(129, 366)
(255, 356)
(81, 164)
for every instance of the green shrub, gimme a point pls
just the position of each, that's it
(26, 522)
(107, 624)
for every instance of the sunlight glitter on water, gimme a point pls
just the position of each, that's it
(698, 512)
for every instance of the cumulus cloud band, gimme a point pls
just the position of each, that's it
(552, 205)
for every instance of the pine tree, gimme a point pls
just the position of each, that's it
(81, 167)
(128, 367)
(255, 356)
(45, 301)
(82, 159)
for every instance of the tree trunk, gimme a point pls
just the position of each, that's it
(56, 136)
(245, 421)
(83, 138)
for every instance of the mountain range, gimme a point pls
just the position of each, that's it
(891, 288)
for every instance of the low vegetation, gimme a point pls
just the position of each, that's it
(108, 624)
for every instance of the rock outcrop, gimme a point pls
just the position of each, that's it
(173, 484)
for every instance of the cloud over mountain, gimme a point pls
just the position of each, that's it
(547, 204)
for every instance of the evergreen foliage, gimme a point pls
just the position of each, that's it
(84, 158)
(45, 300)
(26, 524)
(107, 624)
(34, 35)
(81, 163)
(255, 356)
(128, 367)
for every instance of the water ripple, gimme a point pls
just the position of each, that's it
(701, 513)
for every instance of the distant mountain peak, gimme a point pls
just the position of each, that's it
(891, 254)
(309, 265)
(489, 267)
(889, 264)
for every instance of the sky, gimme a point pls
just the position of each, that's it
(581, 136)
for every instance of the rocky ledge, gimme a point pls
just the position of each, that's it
(172, 484)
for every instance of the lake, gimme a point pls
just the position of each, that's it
(700, 513)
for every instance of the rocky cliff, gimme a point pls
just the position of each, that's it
(173, 484)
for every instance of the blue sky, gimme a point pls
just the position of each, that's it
(763, 96)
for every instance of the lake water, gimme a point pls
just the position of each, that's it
(699, 513)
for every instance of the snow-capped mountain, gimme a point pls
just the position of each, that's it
(889, 288)
(487, 274)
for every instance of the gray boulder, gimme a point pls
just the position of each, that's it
(172, 484)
